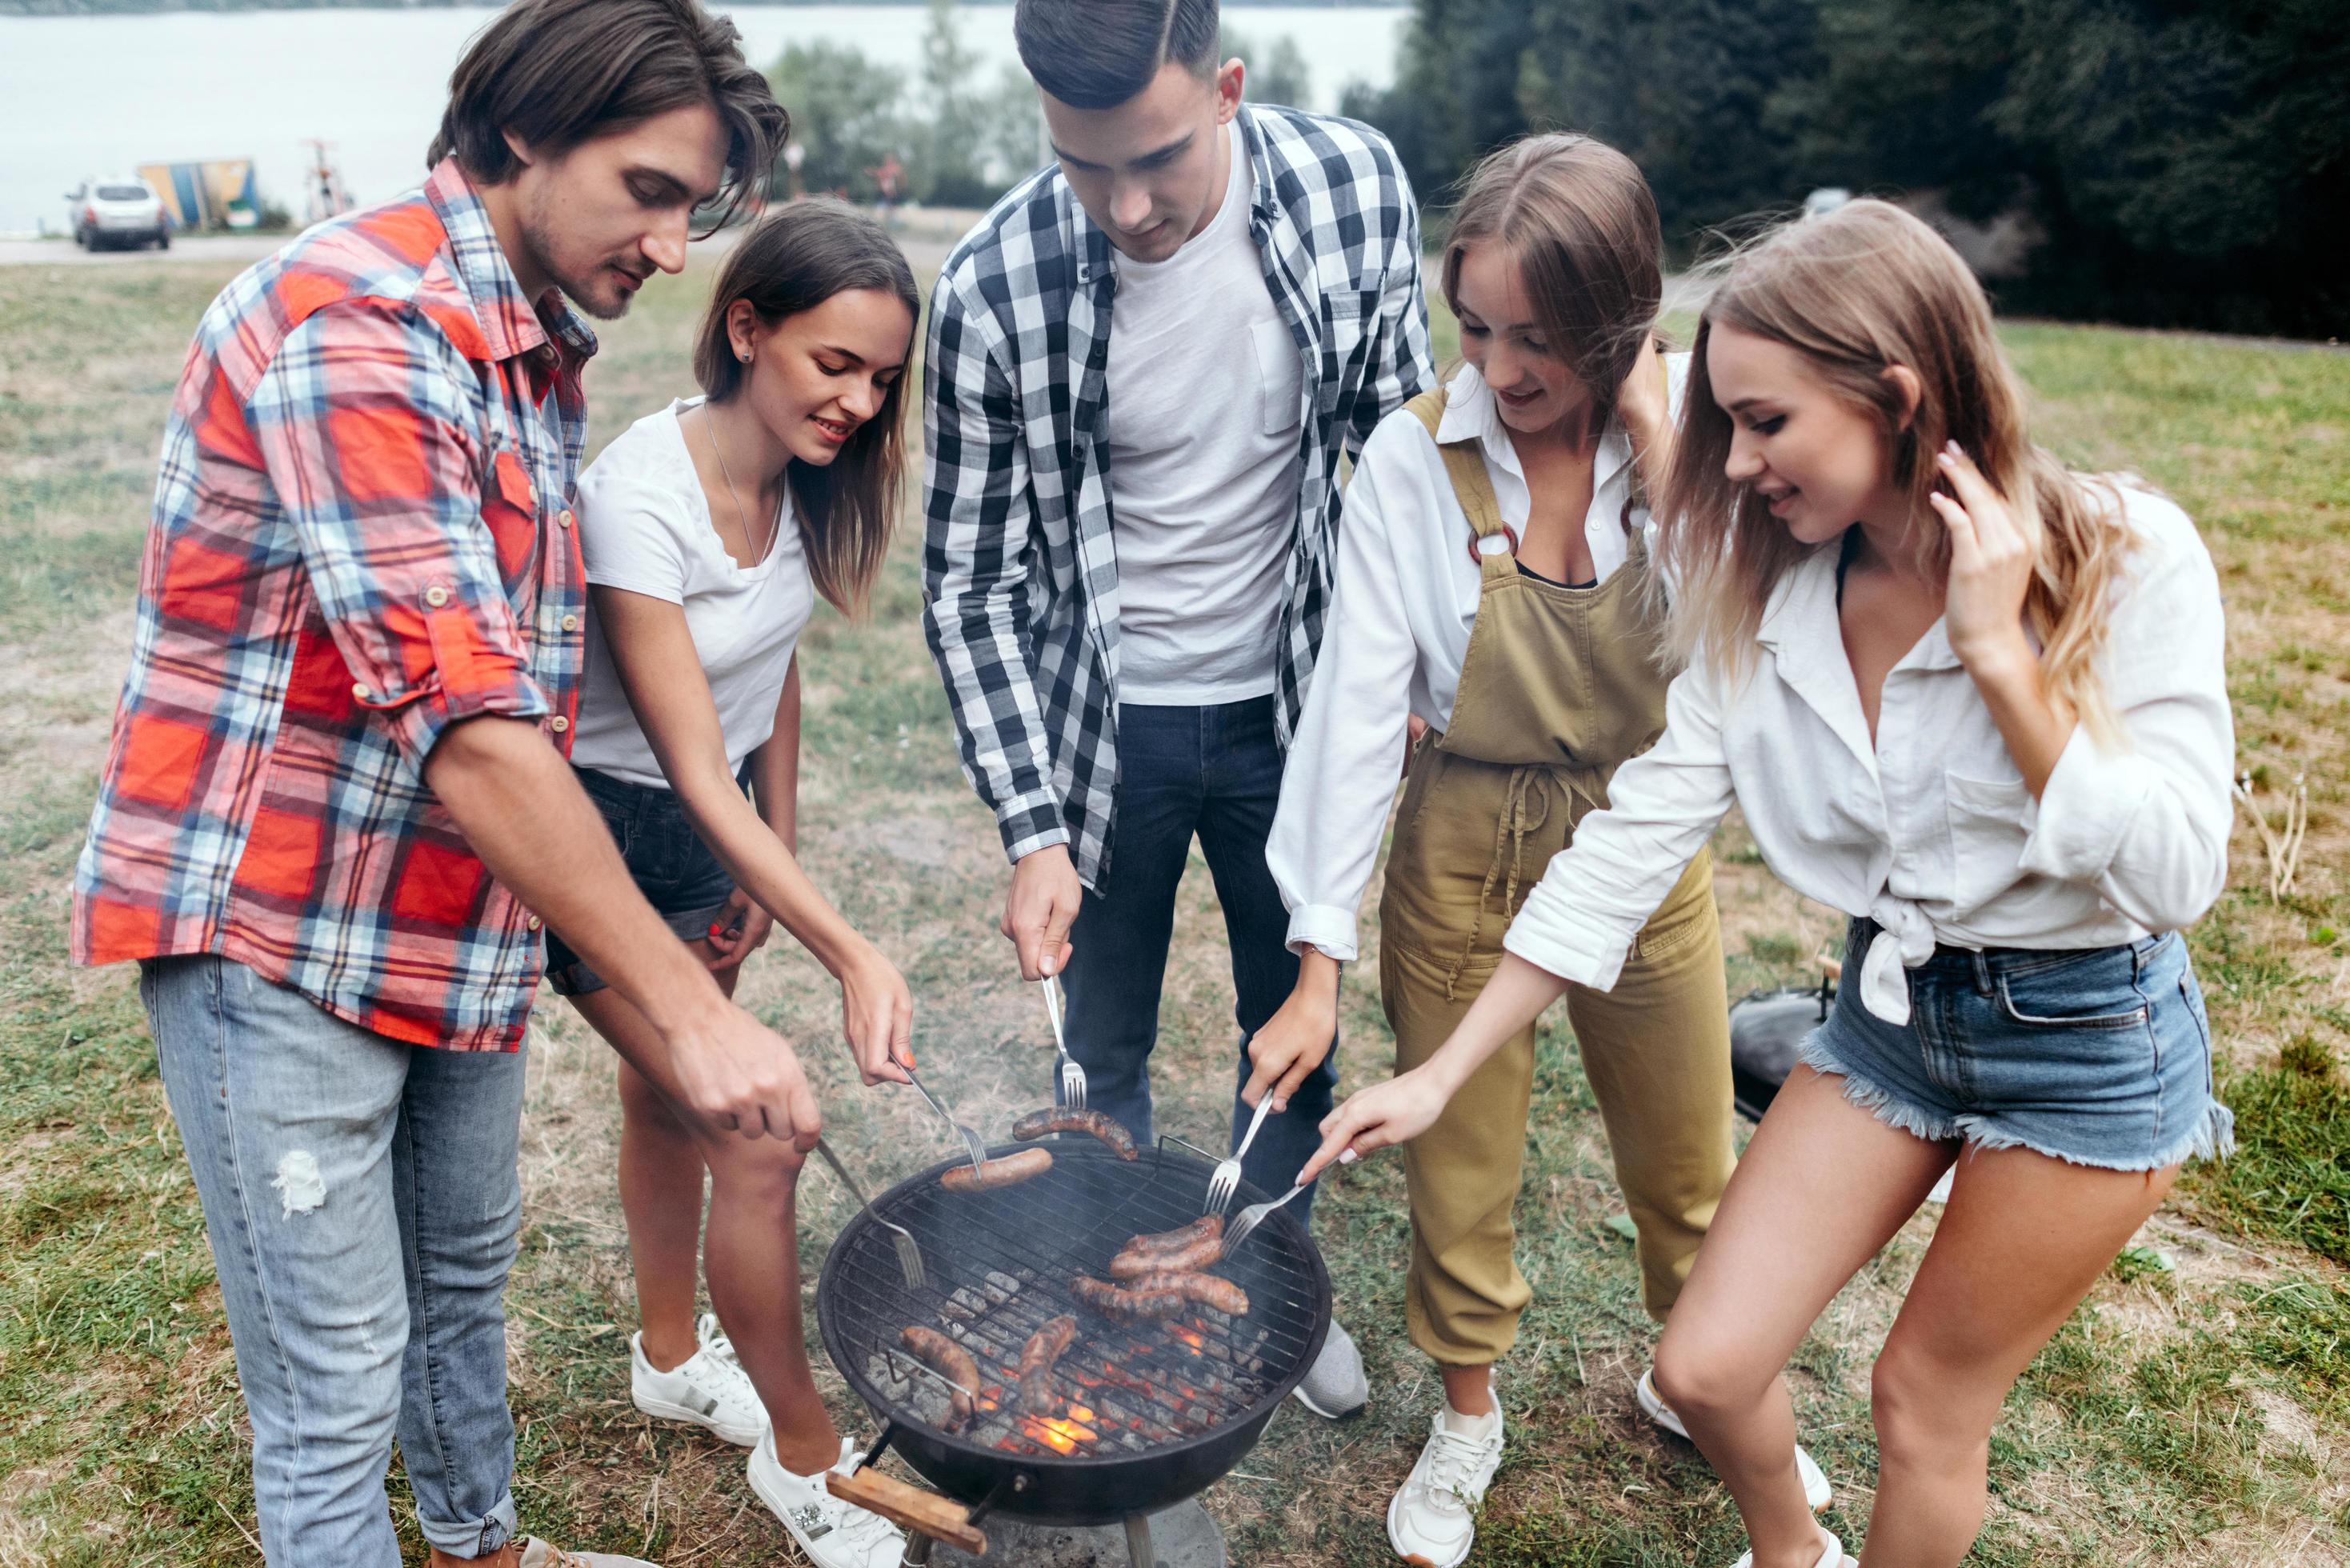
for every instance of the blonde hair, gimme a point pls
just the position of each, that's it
(1856, 292)
(1578, 219)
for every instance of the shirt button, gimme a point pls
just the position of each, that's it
(358, 690)
(533, 922)
(563, 518)
(561, 723)
(436, 595)
(571, 623)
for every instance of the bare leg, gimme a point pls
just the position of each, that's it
(1821, 1188)
(1469, 1389)
(2022, 1240)
(751, 1252)
(661, 1196)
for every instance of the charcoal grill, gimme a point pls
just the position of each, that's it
(1144, 1417)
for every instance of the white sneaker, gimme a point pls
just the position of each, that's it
(1333, 1386)
(1817, 1490)
(835, 1534)
(708, 1388)
(1432, 1520)
(1832, 1557)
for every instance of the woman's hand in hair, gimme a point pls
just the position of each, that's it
(1993, 553)
(877, 1015)
(1645, 405)
(740, 929)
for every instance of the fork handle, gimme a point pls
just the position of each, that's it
(1052, 1011)
(1263, 1103)
(841, 1172)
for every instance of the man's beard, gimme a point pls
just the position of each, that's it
(536, 235)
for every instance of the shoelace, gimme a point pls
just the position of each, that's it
(1452, 1459)
(714, 1340)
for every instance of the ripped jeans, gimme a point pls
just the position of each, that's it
(363, 1283)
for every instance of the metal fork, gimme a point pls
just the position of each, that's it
(910, 1256)
(1251, 1218)
(1226, 1179)
(1073, 1077)
(971, 1143)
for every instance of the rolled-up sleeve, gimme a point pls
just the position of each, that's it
(1581, 919)
(2145, 824)
(365, 422)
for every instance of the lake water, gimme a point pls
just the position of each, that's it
(85, 96)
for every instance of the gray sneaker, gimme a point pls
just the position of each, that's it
(1335, 1387)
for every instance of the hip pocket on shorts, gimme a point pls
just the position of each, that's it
(2094, 990)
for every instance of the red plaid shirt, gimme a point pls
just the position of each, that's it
(361, 535)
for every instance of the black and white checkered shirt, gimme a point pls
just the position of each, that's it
(1018, 563)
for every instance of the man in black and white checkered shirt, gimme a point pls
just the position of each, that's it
(1131, 514)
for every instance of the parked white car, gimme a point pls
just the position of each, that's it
(119, 212)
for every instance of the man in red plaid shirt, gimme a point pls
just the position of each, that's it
(337, 808)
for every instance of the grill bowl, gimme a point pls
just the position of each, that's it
(1070, 1221)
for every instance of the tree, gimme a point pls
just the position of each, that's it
(947, 165)
(1277, 72)
(845, 112)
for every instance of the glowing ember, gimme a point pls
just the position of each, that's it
(1192, 1342)
(1061, 1436)
(1079, 1413)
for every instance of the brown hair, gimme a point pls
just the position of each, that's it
(1856, 292)
(1098, 54)
(558, 73)
(1578, 218)
(794, 260)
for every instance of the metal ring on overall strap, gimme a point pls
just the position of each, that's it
(1477, 542)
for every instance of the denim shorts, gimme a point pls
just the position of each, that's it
(2101, 1056)
(675, 871)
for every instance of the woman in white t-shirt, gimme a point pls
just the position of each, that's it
(1979, 703)
(707, 529)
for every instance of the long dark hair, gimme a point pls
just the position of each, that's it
(560, 72)
(794, 260)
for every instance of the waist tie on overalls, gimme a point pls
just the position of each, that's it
(1525, 808)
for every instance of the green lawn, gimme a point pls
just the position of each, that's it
(2198, 1414)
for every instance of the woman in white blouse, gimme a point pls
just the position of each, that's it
(1977, 703)
(707, 529)
(1492, 584)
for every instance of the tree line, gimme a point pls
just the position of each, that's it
(2167, 162)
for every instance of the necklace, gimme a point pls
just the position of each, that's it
(758, 554)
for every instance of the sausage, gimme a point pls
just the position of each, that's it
(1133, 1263)
(1127, 1306)
(1009, 1171)
(1206, 1290)
(1061, 1118)
(1210, 1226)
(1036, 1357)
(950, 1361)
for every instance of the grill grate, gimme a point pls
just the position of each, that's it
(999, 1265)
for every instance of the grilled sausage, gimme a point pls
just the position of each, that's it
(1206, 1290)
(1036, 1357)
(1132, 1263)
(1127, 1306)
(1061, 1118)
(1009, 1171)
(1208, 1226)
(950, 1361)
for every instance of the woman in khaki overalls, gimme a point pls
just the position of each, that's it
(1493, 583)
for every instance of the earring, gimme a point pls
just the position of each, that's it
(746, 356)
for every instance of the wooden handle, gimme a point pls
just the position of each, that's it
(909, 1507)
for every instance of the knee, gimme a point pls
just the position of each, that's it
(764, 1170)
(1706, 1376)
(1921, 1418)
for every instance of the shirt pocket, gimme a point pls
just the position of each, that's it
(1350, 320)
(1987, 832)
(1280, 378)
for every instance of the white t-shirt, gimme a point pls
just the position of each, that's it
(645, 525)
(1205, 425)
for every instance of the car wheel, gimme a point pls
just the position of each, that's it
(162, 239)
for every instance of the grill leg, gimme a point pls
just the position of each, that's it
(918, 1550)
(1139, 1551)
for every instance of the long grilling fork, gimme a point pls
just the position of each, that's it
(1251, 1218)
(1073, 1077)
(1225, 1179)
(910, 1256)
(977, 1150)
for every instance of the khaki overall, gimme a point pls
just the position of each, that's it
(1557, 689)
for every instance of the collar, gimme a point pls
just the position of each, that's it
(1096, 257)
(513, 325)
(1471, 414)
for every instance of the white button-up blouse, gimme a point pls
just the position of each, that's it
(1928, 829)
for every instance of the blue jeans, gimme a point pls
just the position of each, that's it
(362, 1282)
(1216, 772)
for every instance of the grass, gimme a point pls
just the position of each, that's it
(2196, 1413)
